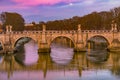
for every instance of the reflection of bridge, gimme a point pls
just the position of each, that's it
(44, 38)
(10, 66)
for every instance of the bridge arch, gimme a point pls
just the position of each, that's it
(98, 40)
(100, 36)
(20, 39)
(63, 37)
(1, 43)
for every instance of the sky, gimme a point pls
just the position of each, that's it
(49, 10)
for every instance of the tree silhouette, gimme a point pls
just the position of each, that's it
(13, 19)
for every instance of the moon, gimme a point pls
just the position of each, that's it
(70, 4)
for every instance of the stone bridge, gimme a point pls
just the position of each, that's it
(45, 37)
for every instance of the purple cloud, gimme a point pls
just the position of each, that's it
(42, 2)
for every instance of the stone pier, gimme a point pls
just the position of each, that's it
(79, 47)
(43, 45)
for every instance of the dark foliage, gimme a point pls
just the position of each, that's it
(13, 19)
(93, 21)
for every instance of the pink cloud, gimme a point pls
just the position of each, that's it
(42, 2)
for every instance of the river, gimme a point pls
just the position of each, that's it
(61, 64)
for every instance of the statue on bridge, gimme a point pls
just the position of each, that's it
(44, 28)
(8, 28)
(114, 26)
(79, 27)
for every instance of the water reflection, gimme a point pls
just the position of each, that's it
(27, 54)
(31, 52)
(116, 64)
(1, 47)
(61, 55)
(59, 65)
(1, 59)
(97, 56)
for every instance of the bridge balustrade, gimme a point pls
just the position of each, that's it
(96, 31)
(59, 32)
(73, 32)
(47, 32)
(31, 32)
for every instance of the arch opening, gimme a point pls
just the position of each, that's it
(1, 46)
(97, 43)
(26, 50)
(62, 50)
(63, 42)
(22, 40)
(19, 44)
(97, 49)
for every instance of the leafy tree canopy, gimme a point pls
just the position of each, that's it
(13, 19)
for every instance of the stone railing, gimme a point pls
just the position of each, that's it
(58, 32)
(96, 31)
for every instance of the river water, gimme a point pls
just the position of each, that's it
(61, 64)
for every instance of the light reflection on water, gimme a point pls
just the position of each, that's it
(60, 64)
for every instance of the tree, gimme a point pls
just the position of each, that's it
(116, 16)
(13, 19)
(106, 19)
(115, 12)
(92, 21)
